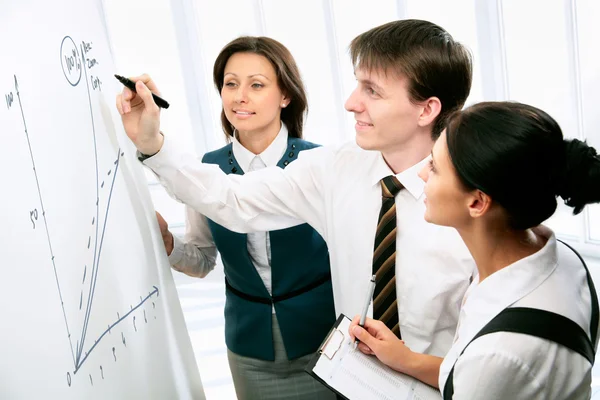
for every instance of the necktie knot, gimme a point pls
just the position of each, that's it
(390, 186)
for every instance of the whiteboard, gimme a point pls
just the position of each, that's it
(88, 304)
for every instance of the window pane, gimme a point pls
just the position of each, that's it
(218, 24)
(307, 37)
(589, 64)
(564, 223)
(594, 222)
(539, 59)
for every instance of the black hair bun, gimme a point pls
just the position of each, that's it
(581, 181)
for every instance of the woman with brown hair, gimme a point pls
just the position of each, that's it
(279, 303)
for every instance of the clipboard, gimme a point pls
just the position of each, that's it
(353, 375)
(330, 339)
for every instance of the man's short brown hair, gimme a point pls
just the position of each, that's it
(434, 63)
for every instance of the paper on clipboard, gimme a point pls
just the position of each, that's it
(355, 375)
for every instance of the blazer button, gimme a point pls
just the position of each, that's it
(291, 154)
(234, 170)
(286, 162)
(229, 153)
(293, 146)
(230, 161)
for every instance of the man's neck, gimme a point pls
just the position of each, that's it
(403, 157)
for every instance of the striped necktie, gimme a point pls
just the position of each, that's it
(385, 305)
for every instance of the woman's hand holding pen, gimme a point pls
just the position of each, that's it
(377, 339)
(141, 115)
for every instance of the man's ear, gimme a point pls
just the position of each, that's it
(432, 107)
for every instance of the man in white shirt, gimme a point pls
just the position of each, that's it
(411, 75)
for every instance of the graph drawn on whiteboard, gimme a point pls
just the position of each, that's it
(78, 65)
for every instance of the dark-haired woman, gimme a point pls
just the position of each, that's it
(529, 321)
(279, 301)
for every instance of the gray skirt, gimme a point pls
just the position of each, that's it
(280, 379)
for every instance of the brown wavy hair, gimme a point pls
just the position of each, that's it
(288, 79)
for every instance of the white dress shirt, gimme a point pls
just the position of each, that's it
(514, 366)
(196, 255)
(337, 191)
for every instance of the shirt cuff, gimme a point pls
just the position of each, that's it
(178, 251)
(142, 157)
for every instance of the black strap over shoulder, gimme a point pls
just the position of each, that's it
(543, 324)
(534, 322)
(594, 295)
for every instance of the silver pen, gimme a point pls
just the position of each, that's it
(363, 316)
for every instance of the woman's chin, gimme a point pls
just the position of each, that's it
(430, 218)
(427, 217)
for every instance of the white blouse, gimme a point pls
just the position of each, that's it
(505, 365)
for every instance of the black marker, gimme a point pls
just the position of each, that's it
(131, 85)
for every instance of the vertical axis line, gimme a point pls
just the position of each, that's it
(44, 216)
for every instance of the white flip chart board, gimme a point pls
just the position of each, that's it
(88, 305)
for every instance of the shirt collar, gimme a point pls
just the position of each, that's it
(270, 156)
(409, 178)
